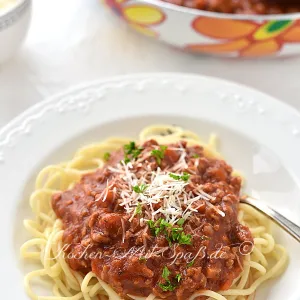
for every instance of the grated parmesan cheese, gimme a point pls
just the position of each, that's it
(164, 196)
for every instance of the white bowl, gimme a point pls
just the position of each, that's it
(14, 23)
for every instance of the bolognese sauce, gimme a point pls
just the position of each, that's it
(242, 6)
(158, 219)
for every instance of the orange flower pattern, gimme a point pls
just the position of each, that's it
(230, 37)
(245, 38)
(141, 17)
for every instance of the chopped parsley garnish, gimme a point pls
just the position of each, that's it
(138, 209)
(174, 176)
(172, 234)
(185, 239)
(106, 156)
(180, 222)
(151, 226)
(178, 277)
(184, 177)
(159, 226)
(128, 148)
(140, 189)
(159, 154)
(136, 153)
(142, 259)
(168, 286)
(191, 263)
(126, 160)
(195, 155)
(165, 273)
(131, 152)
(178, 236)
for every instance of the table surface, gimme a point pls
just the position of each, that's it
(75, 41)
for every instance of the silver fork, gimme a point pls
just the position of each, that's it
(289, 226)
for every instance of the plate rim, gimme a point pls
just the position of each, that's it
(290, 111)
(14, 121)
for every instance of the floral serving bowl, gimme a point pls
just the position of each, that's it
(231, 35)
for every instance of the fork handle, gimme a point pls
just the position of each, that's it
(289, 226)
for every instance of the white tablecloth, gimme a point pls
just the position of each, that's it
(74, 41)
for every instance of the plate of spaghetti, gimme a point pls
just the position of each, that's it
(130, 188)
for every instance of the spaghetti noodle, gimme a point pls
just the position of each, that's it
(266, 260)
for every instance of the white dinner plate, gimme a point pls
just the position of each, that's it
(259, 136)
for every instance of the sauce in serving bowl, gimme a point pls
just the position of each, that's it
(259, 7)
